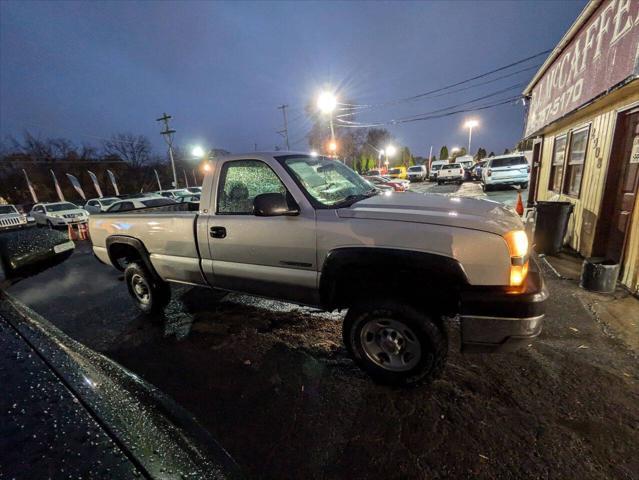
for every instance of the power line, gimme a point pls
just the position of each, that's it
(446, 87)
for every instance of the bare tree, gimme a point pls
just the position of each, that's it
(133, 149)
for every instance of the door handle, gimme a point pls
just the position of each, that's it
(218, 232)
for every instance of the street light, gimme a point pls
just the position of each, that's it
(313, 153)
(389, 152)
(197, 152)
(332, 147)
(470, 124)
(326, 103)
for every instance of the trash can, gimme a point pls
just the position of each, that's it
(599, 275)
(551, 225)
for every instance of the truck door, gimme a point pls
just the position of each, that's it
(269, 256)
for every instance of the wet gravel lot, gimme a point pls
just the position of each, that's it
(273, 383)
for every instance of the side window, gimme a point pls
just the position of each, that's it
(576, 159)
(557, 167)
(241, 182)
(115, 207)
(126, 206)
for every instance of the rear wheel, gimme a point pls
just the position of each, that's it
(149, 294)
(395, 344)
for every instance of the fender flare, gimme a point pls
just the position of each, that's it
(131, 242)
(448, 270)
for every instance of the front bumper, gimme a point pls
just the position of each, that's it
(502, 318)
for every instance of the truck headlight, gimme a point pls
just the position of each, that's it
(517, 242)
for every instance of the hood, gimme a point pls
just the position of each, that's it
(461, 212)
(66, 212)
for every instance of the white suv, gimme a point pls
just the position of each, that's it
(505, 170)
(417, 173)
(58, 214)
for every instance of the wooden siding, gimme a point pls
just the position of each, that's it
(601, 117)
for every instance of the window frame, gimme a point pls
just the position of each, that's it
(222, 179)
(564, 182)
(551, 182)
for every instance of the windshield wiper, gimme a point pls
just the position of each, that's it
(351, 199)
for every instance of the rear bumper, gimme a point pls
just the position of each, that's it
(503, 319)
(506, 181)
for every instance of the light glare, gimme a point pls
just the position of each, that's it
(197, 151)
(326, 102)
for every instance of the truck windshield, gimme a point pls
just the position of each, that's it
(328, 182)
(7, 209)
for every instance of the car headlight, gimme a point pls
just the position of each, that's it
(517, 242)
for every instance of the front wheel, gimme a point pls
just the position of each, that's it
(149, 294)
(395, 344)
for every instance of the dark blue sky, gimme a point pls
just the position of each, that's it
(86, 70)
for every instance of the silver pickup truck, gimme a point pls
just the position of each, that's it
(309, 230)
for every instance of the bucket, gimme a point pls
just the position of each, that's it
(599, 274)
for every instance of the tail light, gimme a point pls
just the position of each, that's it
(489, 172)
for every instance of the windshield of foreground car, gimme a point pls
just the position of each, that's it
(58, 207)
(7, 209)
(329, 182)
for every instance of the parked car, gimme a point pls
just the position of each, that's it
(434, 169)
(386, 183)
(10, 218)
(58, 214)
(97, 205)
(174, 193)
(398, 172)
(417, 173)
(69, 412)
(451, 172)
(135, 203)
(505, 170)
(194, 189)
(309, 230)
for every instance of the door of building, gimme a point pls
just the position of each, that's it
(621, 187)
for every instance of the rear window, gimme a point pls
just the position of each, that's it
(508, 162)
(157, 202)
(453, 165)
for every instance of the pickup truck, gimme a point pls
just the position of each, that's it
(309, 230)
(451, 172)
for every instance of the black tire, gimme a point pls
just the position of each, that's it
(419, 368)
(149, 294)
(485, 187)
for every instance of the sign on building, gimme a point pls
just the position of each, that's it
(604, 53)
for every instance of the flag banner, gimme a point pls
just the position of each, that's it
(186, 180)
(33, 194)
(157, 177)
(115, 185)
(96, 185)
(57, 186)
(76, 184)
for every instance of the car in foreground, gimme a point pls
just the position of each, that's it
(58, 214)
(97, 205)
(417, 173)
(385, 182)
(69, 412)
(136, 203)
(309, 230)
(450, 173)
(11, 218)
(505, 170)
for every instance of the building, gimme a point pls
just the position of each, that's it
(583, 120)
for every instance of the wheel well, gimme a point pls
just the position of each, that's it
(121, 254)
(420, 279)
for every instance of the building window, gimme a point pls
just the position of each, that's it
(557, 167)
(576, 158)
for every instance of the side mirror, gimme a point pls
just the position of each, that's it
(273, 205)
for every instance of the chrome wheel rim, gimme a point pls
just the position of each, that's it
(140, 288)
(390, 344)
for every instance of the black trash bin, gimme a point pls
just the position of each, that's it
(599, 275)
(551, 225)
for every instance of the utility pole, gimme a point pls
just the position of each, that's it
(167, 133)
(284, 132)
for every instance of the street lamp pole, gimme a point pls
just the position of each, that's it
(469, 125)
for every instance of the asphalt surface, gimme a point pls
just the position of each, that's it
(275, 386)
